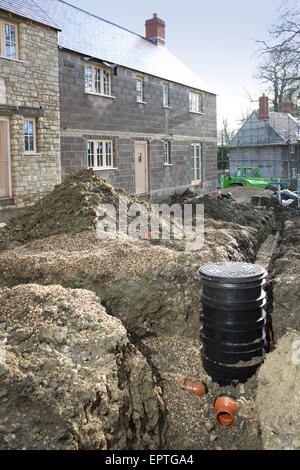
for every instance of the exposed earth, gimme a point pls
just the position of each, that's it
(99, 333)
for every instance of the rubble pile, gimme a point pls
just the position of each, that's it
(70, 378)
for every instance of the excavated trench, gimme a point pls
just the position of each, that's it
(153, 289)
(248, 431)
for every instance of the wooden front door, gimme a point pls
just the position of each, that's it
(141, 168)
(4, 159)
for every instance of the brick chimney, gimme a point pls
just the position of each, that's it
(287, 106)
(263, 112)
(155, 30)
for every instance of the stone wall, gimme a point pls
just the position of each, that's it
(122, 119)
(29, 87)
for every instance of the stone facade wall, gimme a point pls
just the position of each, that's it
(29, 87)
(122, 119)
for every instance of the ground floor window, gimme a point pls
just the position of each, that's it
(167, 153)
(29, 135)
(100, 154)
(196, 160)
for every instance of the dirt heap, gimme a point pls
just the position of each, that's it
(70, 378)
(144, 283)
(72, 208)
(278, 397)
(148, 287)
(69, 208)
(286, 276)
(227, 210)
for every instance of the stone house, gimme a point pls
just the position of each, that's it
(268, 141)
(129, 108)
(29, 105)
(77, 91)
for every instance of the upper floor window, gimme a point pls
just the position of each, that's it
(100, 154)
(29, 135)
(165, 88)
(97, 80)
(139, 90)
(195, 102)
(8, 39)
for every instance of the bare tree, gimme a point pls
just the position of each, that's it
(285, 33)
(279, 68)
(279, 71)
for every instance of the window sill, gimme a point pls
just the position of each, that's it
(197, 183)
(141, 102)
(100, 94)
(168, 164)
(32, 154)
(167, 107)
(196, 112)
(103, 169)
(12, 58)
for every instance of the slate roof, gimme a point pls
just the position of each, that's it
(28, 9)
(286, 125)
(279, 129)
(92, 36)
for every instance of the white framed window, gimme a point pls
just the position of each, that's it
(9, 39)
(165, 89)
(195, 102)
(139, 90)
(196, 162)
(167, 153)
(292, 148)
(97, 80)
(100, 154)
(29, 135)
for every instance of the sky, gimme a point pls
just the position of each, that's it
(215, 39)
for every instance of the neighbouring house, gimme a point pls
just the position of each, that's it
(129, 108)
(29, 105)
(269, 141)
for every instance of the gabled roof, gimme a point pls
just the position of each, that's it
(286, 125)
(279, 129)
(28, 9)
(92, 36)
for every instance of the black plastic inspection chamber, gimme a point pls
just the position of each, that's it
(233, 317)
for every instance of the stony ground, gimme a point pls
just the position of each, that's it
(152, 289)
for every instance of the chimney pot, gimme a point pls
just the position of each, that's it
(263, 112)
(155, 30)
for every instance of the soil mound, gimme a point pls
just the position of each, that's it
(69, 377)
(70, 208)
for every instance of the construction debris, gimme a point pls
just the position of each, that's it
(150, 292)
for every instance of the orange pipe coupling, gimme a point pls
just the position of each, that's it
(197, 388)
(225, 406)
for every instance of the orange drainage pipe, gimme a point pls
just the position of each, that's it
(151, 235)
(197, 388)
(225, 406)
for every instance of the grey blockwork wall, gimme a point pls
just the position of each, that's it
(122, 119)
(272, 161)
